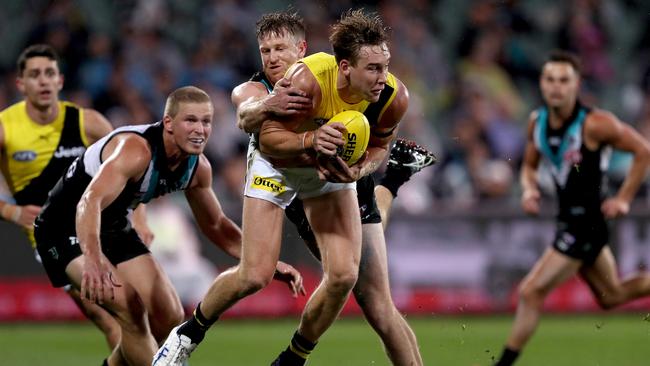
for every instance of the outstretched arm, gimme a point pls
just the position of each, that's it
(212, 221)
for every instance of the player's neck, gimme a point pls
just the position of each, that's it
(345, 92)
(560, 115)
(43, 116)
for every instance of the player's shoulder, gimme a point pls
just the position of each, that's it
(248, 89)
(600, 115)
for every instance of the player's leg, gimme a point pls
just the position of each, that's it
(606, 285)
(550, 271)
(334, 219)
(262, 235)
(99, 316)
(372, 292)
(406, 158)
(137, 345)
(336, 224)
(163, 305)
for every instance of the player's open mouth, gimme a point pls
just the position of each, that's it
(197, 141)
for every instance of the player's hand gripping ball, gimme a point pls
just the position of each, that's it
(357, 136)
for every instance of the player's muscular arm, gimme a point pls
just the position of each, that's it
(125, 158)
(528, 177)
(604, 128)
(278, 138)
(255, 105)
(210, 218)
(385, 131)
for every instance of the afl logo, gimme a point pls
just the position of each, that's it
(24, 155)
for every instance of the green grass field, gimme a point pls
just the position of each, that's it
(598, 340)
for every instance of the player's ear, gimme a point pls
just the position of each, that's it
(20, 84)
(344, 66)
(167, 123)
(302, 48)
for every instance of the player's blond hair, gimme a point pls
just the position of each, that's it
(186, 94)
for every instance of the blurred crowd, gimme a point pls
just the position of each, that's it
(471, 66)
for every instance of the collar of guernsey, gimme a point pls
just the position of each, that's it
(35, 155)
(325, 69)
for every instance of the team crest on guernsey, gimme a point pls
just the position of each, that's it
(24, 156)
(268, 184)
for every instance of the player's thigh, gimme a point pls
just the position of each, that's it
(262, 223)
(151, 283)
(334, 218)
(552, 269)
(602, 275)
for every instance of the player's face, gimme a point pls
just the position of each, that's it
(368, 76)
(279, 52)
(191, 127)
(559, 84)
(40, 82)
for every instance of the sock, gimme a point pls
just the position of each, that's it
(105, 363)
(196, 326)
(508, 357)
(297, 352)
(394, 179)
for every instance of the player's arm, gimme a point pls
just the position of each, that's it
(530, 196)
(210, 218)
(385, 131)
(603, 127)
(139, 221)
(381, 135)
(96, 125)
(277, 136)
(125, 158)
(255, 105)
(23, 216)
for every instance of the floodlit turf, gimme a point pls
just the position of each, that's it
(595, 340)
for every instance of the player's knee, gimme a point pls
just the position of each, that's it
(341, 281)
(253, 281)
(608, 302)
(133, 318)
(530, 293)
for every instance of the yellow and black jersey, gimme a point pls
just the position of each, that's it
(35, 156)
(325, 69)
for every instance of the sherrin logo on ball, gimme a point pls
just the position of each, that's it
(357, 136)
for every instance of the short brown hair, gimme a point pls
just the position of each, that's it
(354, 30)
(35, 50)
(186, 94)
(565, 56)
(280, 22)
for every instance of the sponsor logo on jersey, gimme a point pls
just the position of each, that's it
(25, 155)
(268, 184)
(69, 152)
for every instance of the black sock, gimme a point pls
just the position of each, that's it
(508, 357)
(105, 363)
(196, 326)
(393, 179)
(297, 352)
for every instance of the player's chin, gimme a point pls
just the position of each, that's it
(194, 149)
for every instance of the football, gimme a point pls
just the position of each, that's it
(357, 136)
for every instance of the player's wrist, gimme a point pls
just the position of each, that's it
(307, 140)
(11, 212)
